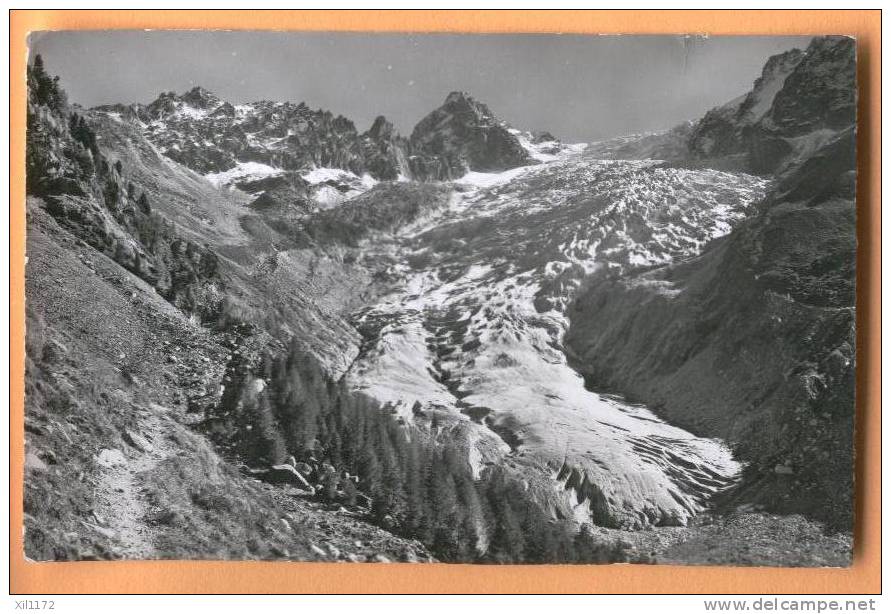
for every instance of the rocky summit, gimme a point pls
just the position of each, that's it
(463, 135)
(256, 332)
(278, 145)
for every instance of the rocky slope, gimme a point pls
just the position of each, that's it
(817, 100)
(113, 465)
(723, 130)
(753, 341)
(140, 282)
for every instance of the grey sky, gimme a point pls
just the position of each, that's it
(580, 88)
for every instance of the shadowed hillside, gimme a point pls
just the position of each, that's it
(753, 341)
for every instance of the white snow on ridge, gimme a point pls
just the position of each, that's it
(322, 174)
(328, 197)
(114, 115)
(243, 171)
(330, 186)
(347, 185)
(545, 152)
(487, 180)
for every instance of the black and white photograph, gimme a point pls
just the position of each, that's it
(456, 298)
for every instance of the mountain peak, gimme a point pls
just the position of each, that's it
(778, 62)
(821, 91)
(458, 96)
(381, 128)
(200, 98)
(462, 135)
(463, 102)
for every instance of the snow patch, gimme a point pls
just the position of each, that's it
(487, 180)
(334, 186)
(546, 151)
(190, 112)
(243, 171)
(323, 174)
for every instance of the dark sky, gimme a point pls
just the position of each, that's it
(580, 88)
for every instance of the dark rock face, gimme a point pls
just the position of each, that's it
(821, 92)
(754, 340)
(829, 172)
(722, 138)
(384, 151)
(817, 99)
(282, 194)
(460, 136)
(543, 136)
(722, 131)
(200, 98)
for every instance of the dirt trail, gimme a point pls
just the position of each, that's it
(120, 502)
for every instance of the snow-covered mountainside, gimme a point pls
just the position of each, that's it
(473, 341)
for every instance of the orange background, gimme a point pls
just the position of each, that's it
(252, 577)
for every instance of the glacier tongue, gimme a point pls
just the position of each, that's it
(471, 345)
